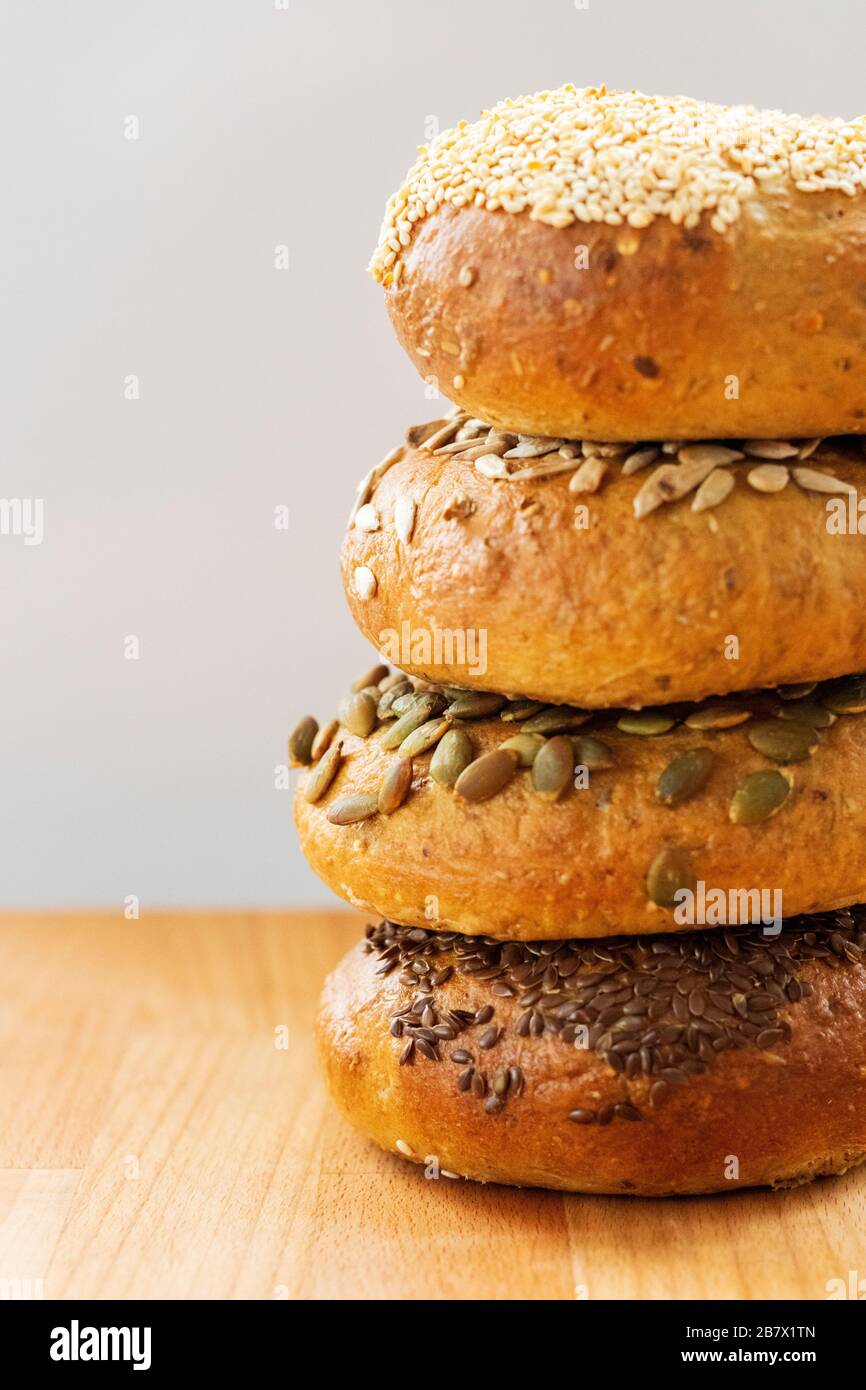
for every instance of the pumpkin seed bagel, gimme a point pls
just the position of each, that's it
(696, 1063)
(475, 559)
(616, 265)
(464, 811)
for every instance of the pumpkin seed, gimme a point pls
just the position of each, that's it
(453, 753)
(487, 775)
(592, 753)
(323, 774)
(385, 708)
(784, 743)
(422, 739)
(323, 740)
(301, 740)
(669, 872)
(684, 776)
(805, 712)
(717, 717)
(403, 701)
(556, 719)
(474, 704)
(553, 768)
(358, 713)
(395, 678)
(371, 677)
(420, 709)
(796, 692)
(846, 697)
(526, 746)
(759, 797)
(516, 710)
(395, 785)
(646, 722)
(346, 810)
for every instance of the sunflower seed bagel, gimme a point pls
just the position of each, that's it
(724, 1062)
(536, 822)
(622, 595)
(613, 265)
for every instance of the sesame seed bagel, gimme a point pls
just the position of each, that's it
(612, 266)
(468, 813)
(594, 584)
(692, 1064)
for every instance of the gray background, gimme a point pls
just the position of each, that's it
(258, 387)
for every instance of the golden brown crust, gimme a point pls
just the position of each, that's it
(787, 1113)
(520, 867)
(627, 611)
(641, 335)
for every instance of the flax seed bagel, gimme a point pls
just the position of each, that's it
(578, 598)
(618, 266)
(586, 826)
(689, 1064)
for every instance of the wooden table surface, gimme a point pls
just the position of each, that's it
(156, 1143)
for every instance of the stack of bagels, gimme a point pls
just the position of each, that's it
(605, 797)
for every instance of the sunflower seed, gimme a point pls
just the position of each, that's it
(366, 582)
(713, 455)
(444, 434)
(717, 717)
(474, 704)
(421, 740)
(323, 740)
(768, 477)
(589, 476)
(658, 488)
(846, 696)
(491, 466)
(713, 490)
(534, 449)
(487, 775)
(811, 480)
(395, 785)
(552, 767)
(769, 449)
(526, 746)
(646, 722)
(808, 448)
(323, 774)
(642, 458)
(669, 872)
(582, 1117)
(783, 742)
(404, 518)
(759, 797)
(556, 719)
(452, 756)
(592, 753)
(358, 714)
(367, 518)
(684, 776)
(346, 810)
(301, 740)
(420, 709)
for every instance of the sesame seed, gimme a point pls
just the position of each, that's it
(621, 158)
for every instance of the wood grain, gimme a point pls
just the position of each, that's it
(156, 1143)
